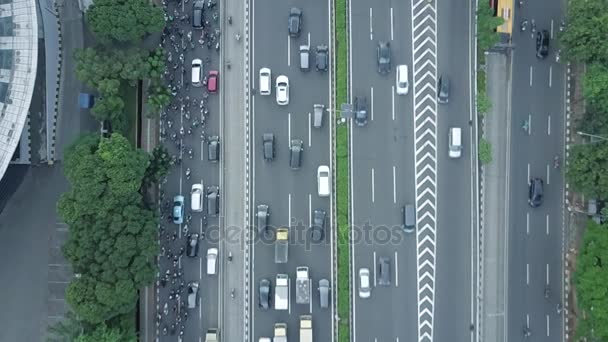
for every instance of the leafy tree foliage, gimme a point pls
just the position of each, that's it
(586, 32)
(487, 23)
(591, 279)
(587, 169)
(159, 165)
(124, 20)
(67, 329)
(112, 237)
(593, 122)
(103, 333)
(595, 87)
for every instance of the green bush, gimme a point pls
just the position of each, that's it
(485, 151)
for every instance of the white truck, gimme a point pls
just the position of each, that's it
(212, 335)
(302, 285)
(305, 328)
(280, 332)
(281, 292)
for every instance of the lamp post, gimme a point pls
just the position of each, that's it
(597, 138)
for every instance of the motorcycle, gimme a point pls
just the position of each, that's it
(523, 25)
(188, 173)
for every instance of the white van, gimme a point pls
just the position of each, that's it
(196, 197)
(265, 81)
(455, 142)
(211, 261)
(401, 80)
(197, 72)
(323, 180)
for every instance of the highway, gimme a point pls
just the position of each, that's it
(400, 158)
(535, 234)
(290, 194)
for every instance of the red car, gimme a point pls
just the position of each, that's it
(213, 81)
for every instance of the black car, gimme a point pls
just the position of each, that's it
(360, 111)
(542, 44)
(197, 14)
(322, 58)
(317, 230)
(384, 57)
(268, 146)
(213, 149)
(264, 294)
(535, 193)
(443, 94)
(262, 215)
(296, 147)
(213, 201)
(192, 246)
(384, 270)
(294, 23)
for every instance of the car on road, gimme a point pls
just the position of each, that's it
(212, 261)
(304, 57)
(443, 93)
(317, 120)
(364, 283)
(196, 197)
(384, 271)
(323, 182)
(542, 44)
(192, 246)
(408, 212)
(535, 192)
(213, 201)
(455, 142)
(213, 82)
(262, 215)
(324, 293)
(317, 229)
(197, 72)
(322, 58)
(192, 294)
(401, 80)
(294, 22)
(282, 86)
(178, 209)
(383, 53)
(265, 81)
(360, 111)
(268, 146)
(264, 294)
(296, 148)
(213, 149)
(197, 14)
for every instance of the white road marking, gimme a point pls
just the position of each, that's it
(289, 211)
(202, 149)
(528, 174)
(549, 125)
(547, 274)
(288, 129)
(527, 274)
(527, 223)
(374, 269)
(371, 26)
(288, 51)
(309, 209)
(396, 270)
(528, 320)
(529, 124)
(550, 75)
(548, 174)
(394, 184)
(551, 28)
(530, 75)
(308, 41)
(309, 123)
(547, 224)
(373, 186)
(393, 101)
(289, 293)
(548, 325)
(371, 108)
(392, 23)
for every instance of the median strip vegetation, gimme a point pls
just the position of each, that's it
(342, 182)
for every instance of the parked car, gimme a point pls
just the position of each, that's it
(268, 146)
(294, 23)
(296, 148)
(282, 90)
(192, 294)
(317, 229)
(365, 289)
(322, 58)
(264, 294)
(192, 246)
(383, 52)
(324, 293)
(178, 209)
(213, 149)
(212, 261)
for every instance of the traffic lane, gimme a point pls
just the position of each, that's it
(371, 21)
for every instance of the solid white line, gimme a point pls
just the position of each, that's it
(289, 211)
(200, 268)
(549, 125)
(288, 129)
(527, 320)
(309, 122)
(372, 104)
(289, 292)
(548, 325)
(530, 75)
(527, 223)
(202, 149)
(547, 274)
(392, 23)
(396, 269)
(308, 41)
(371, 26)
(310, 295)
(374, 268)
(393, 101)
(547, 219)
(394, 184)
(527, 274)
(528, 174)
(288, 51)
(548, 174)
(373, 185)
(309, 210)
(550, 75)
(529, 124)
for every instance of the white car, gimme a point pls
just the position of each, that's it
(364, 284)
(454, 142)
(282, 90)
(323, 180)
(211, 261)
(401, 80)
(265, 81)
(196, 197)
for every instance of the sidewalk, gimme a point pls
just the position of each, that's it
(494, 200)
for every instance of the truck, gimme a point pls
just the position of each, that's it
(281, 247)
(302, 285)
(281, 292)
(212, 335)
(305, 328)
(280, 332)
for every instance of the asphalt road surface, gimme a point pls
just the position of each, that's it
(400, 157)
(535, 234)
(290, 194)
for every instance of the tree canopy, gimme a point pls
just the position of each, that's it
(102, 333)
(595, 87)
(585, 35)
(112, 236)
(487, 23)
(587, 169)
(124, 20)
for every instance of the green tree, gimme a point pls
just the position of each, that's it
(587, 169)
(591, 279)
(159, 165)
(584, 38)
(595, 87)
(593, 122)
(487, 23)
(68, 329)
(159, 96)
(102, 333)
(124, 20)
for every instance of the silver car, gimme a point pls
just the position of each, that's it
(324, 293)
(192, 294)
